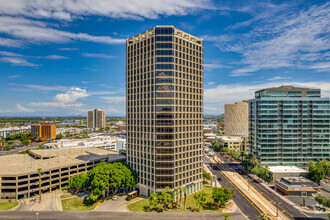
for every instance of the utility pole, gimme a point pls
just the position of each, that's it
(277, 209)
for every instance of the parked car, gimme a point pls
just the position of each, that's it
(220, 179)
(114, 197)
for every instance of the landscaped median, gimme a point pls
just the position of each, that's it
(8, 205)
(208, 205)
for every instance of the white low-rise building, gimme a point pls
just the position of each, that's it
(100, 141)
(5, 132)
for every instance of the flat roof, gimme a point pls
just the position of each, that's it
(17, 164)
(286, 169)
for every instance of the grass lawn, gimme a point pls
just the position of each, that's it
(8, 205)
(76, 204)
(208, 207)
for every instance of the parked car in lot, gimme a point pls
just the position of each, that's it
(114, 197)
(220, 179)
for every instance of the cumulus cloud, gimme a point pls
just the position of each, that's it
(20, 108)
(115, 99)
(39, 87)
(63, 100)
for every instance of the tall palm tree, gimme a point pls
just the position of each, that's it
(185, 191)
(226, 215)
(39, 182)
(176, 192)
(254, 160)
(263, 216)
(180, 193)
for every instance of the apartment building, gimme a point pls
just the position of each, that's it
(289, 126)
(96, 118)
(164, 107)
(19, 173)
(236, 119)
(46, 131)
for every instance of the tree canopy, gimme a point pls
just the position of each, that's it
(319, 170)
(112, 176)
(200, 198)
(221, 195)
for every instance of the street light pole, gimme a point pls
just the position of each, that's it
(37, 214)
(277, 209)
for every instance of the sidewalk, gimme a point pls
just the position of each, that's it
(251, 193)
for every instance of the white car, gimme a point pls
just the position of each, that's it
(114, 197)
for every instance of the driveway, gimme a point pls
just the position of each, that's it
(49, 202)
(119, 205)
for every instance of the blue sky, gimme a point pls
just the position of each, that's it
(63, 57)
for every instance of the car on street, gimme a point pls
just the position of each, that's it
(114, 197)
(220, 179)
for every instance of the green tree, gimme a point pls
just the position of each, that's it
(59, 136)
(206, 175)
(79, 182)
(153, 200)
(39, 182)
(200, 198)
(224, 149)
(263, 216)
(226, 215)
(221, 195)
(26, 142)
(165, 199)
(216, 146)
(213, 142)
(318, 171)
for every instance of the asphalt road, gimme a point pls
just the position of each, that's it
(244, 204)
(290, 211)
(19, 149)
(72, 215)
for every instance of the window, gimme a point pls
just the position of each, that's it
(164, 45)
(160, 31)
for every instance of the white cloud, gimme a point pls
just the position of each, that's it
(214, 66)
(84, 82)
(9, 54)
(10, 42)
(216, 97)
(69, 9)
(63, 100)
(40, 87)
(56, 57)
(68, 49)
(14, 76)
(17, 61)
(97, 55)
(38, 32)
(281, 38)
(279, 78)
(20, 108)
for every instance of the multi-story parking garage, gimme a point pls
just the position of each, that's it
(19, 173)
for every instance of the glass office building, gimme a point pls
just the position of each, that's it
(164, 106)
(289, 126)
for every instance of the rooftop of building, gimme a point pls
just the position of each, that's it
(17, 164)
(151, 32)
(15, 128)
(287, 88)
(288, 169)
(298, 181)
(230, 138)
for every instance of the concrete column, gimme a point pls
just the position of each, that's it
(16, 187)
(29, 186)
(60, 177)
(50, 180)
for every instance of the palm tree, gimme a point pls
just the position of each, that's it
(167, 189)
(180, 192)
(185, 191)
(254, 160)
(226, 215)
(176, 192)
(263, 216)
(39, 183)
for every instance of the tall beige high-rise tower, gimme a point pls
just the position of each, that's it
(165, 109)
(96, 118)
(237, 119)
